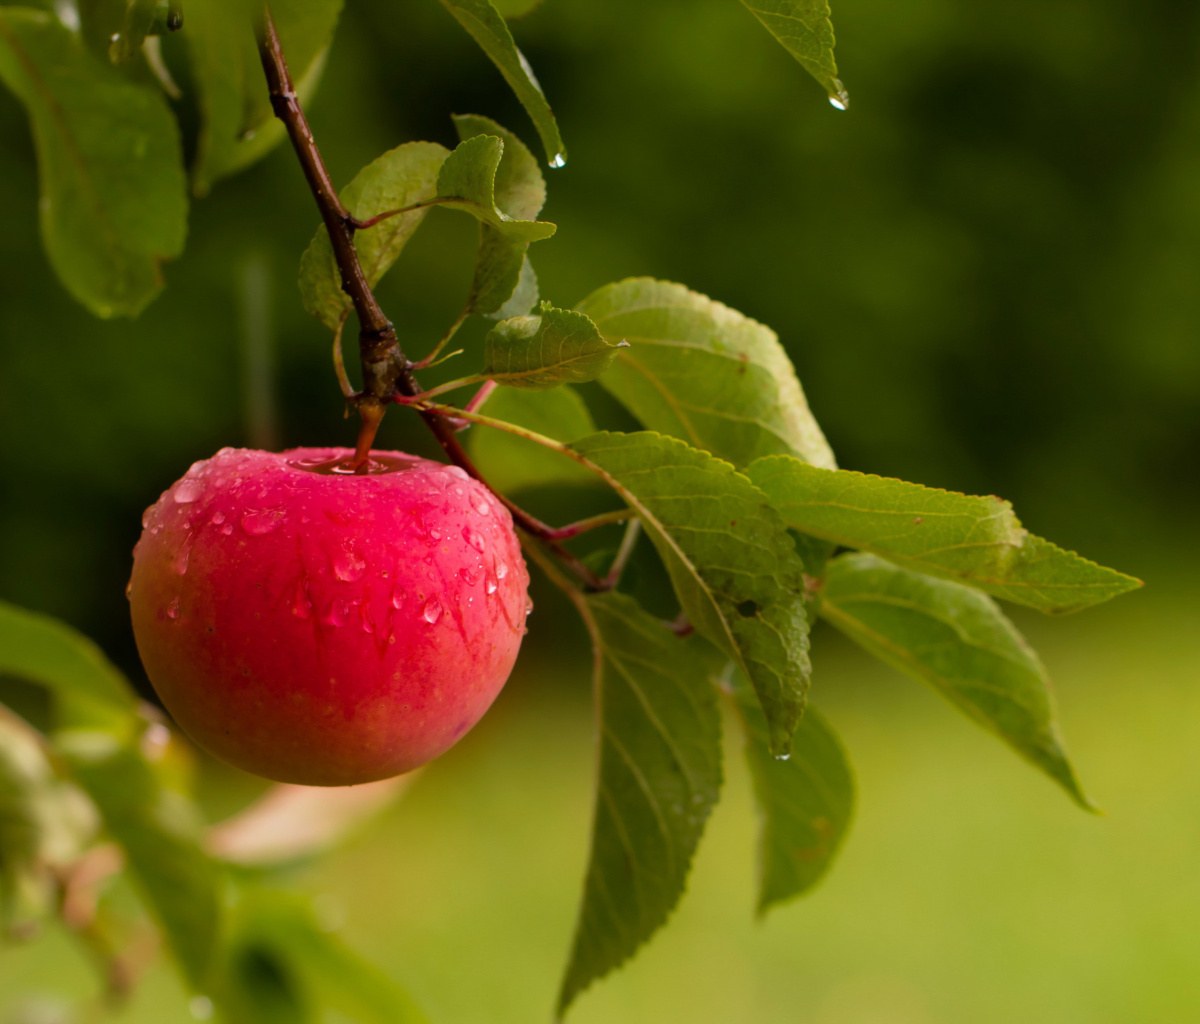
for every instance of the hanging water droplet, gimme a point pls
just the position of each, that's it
(260, 521)
(348, 566)
(528, 606)
(474, 538)
(432, 610)
(839, 99)
(558, 160)
(783, 757)
(173, 608)
(187, 491)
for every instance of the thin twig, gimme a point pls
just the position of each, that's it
(450, 333)
(628, 543)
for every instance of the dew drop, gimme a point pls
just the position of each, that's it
(368, 623)
(173, 608)
(481, 505)
(182, 556)
(839, 99)
(146, 516)
(348, 566)
(432, 610)
(528, 606)
(339, 612)
(490, 584)
(188, 491)
(227, 529)
(474, 538)
(218, 518)
(398, 598)
(260, 521)
(458, 491)
(783, 757)
(501, 570)
(435, 535)
(558, 160)
(470, 577)
(459, 472)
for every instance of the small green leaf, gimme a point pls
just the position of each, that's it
(468, 182)
(804, 29)
(805, 801)
(44, 650)
(704, 373)
(401, 177)
(504, 284)
(976, 540)
(659, 777)
(238, 126)
(283, 966)
(139, 18)
(959, 642)
(485, 25)
(511, 463)
(731, 561)
(558, 346)
(113, 201)
(160, 831)
(516, 8)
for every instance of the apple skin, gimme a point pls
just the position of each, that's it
(321, 627)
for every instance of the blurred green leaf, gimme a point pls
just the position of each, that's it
(976, 540)
(44, 650)
(139, 18)
(511, 463)
(958, 641)
(159, 830)
(704, 373)
(805, 801)
(24, 776)
(238, 126)
(401, 177)
(729, 556)
(558, 346)
(804, 29)
(113, 203)
(659, 777)
(520, 193)
(516, 8)
(283, 966)
(487, 28)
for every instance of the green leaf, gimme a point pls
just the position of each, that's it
(659, 777)
(501, 269)
(44, 650)
(113, 203)
(516, 8)
(139, 18)
(959, 642)
(238, 127)
(160, 830)
(805, 801)
(804, 29)
(558, 346)
(976, 540)
(401, 177)
(283, 966)
(704, 373)
(511, 463)
(730, 558)
(485, 25)
(468, 181)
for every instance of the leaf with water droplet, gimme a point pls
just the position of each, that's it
(659, 778)
(804, 29)
(558, 346)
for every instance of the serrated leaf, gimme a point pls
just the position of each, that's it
(511, 463)
(501, 268)
(558, 346)
(284, 966)
(704, 373)
(805, 802)
(160, 830)
(238, 126)
(804, 29)
(44, 650)
(113, 203)
(975, 540)
(468, 181)
(401, 177)
(659, 777)
(730, 558)
(959, 642)
(485, 25)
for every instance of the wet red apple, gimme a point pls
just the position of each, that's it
(315, 625)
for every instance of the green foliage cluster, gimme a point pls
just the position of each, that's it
(729, 478)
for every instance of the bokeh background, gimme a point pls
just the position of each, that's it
(986, 272)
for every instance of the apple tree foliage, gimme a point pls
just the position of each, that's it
(729, 491)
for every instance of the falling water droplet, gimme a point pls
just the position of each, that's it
(173, 608)
(558, 160)
(432, 610)
(348, 566)
(188, 491)
(474, 538)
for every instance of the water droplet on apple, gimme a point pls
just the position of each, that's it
(339, 611)
(501, 570)
(147, 514)
(490, 584)
(187, 491)
(432, 610)
(227, 529)
(218, 518)
(260, 521)
(302, 606)
(457, 471)
(469, 576)
(528, 606)
(474, 538)
(173, 608)
(368, 623)
(481, 505)
(399, 597)
(348, 566)
(182, 556)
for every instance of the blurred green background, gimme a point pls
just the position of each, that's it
(986, 273)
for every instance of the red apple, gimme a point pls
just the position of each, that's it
(318, 626)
